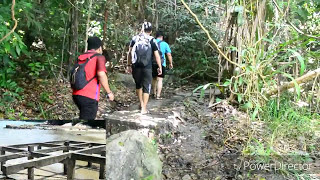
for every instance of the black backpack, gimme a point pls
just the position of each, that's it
(78, 74)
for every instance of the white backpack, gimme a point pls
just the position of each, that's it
(142, 50)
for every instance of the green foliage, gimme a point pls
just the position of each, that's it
(45, 97)
(151, 177)
(202, 89)
(287, 54)
(288, 119)
(258, 150)
(35, 69)
(191, 52)
(286, 122)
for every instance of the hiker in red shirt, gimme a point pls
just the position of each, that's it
(86, 90)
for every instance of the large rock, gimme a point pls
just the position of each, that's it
(131, 155)
(125, 79)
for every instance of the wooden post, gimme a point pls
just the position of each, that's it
(3, 152)
(65, 163)
(102, 172)
(30, 170)
(71, 164)
(89, 163)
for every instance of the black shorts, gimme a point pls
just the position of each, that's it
(155, 71)
(142, 77)
(88, 107)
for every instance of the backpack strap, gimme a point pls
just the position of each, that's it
(96, 54)
(162, 54)
(159, 44)
(88, 59)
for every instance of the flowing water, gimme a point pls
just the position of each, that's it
(23, 136)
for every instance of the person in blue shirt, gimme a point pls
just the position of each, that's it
(164, 51)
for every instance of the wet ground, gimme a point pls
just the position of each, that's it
(190, 141)
(195, 141)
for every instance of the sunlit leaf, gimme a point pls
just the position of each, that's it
(301, 60)
(227, 83)
(248, 105)
(239, 97)
(18, 50)
(296, 85)
(195, 90)
(255, 112)
(7, 46)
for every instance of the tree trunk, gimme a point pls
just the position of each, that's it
(106, 14)
(73, 42)
(88, 25)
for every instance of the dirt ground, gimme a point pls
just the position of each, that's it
(208, 143)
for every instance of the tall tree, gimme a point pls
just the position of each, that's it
(73, 38)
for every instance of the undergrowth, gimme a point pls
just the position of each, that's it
(288, 120)
(290, 135)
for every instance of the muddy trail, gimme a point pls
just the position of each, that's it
(194, 141)
(194, 144)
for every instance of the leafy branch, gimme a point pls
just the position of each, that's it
(292, 25)
(14, 19)
(208, 34)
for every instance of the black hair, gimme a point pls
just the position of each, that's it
(147, 27)
(159, 34)
(148, 30)
(94, 43)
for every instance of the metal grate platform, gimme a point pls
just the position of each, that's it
(48, 153)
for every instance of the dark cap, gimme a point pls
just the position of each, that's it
(94, 43)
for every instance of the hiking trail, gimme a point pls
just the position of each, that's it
(160, 111)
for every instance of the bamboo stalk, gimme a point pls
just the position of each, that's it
(303, 79)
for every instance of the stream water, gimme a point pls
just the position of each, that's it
(23, 136)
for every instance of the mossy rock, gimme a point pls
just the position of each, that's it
(131, 155)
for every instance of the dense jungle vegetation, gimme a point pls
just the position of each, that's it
(262, 55)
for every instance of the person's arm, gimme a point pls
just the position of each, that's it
(129, 56)
(158, 60)
(170, 60)
(168, 53)
(155, 50)
(103, 78)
